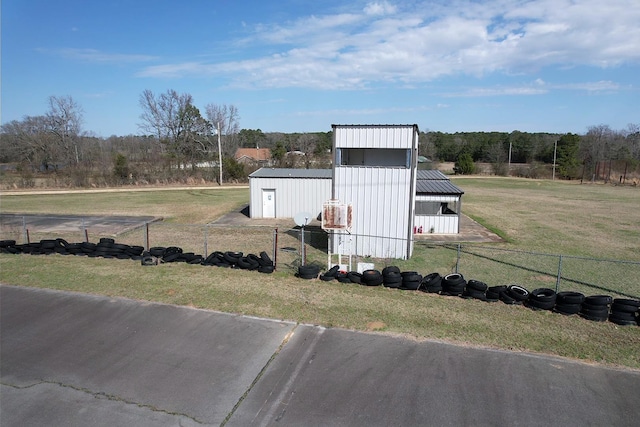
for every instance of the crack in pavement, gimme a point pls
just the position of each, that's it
(103, 395)
(284, 342)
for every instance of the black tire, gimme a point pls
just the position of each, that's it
(390, 269)
(432, 280)
(371, 278)
(453, 279)
(196, 260)
(135, 250)
(593, 318)
(333, 271)
(171, 258)
(148, 260)
(157, 251)
(598, 300)
(355, 277)
(543, 295)
(506, 298)
(477, 285)
(7, 243)
(595, 313)
(106, 241)
(244, 263)
(518, 293)
(411, 285)
(232, 257)
(267, 269)
(588, 306)
(308, 272)
(623, 322)
(567, 309)
(411, 277)
(622, 316)
(569, 297)
(392, 280)
(48, 244)
(474, 294)
(326, 278)
(617, 307)
(453, 284)
(629, 302)
(539, 305)
(265, 259)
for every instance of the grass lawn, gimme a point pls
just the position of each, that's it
(552, 217)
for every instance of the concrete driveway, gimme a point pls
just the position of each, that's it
(71, 359)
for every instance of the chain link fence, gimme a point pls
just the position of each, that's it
(491, 264)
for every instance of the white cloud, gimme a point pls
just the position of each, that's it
(379, 8)
(385, 43)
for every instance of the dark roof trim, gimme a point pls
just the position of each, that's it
(291, 173)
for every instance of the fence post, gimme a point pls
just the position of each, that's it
(559, 273)
(206, 235)
(458, 258)
(146, 235)
(275, 248)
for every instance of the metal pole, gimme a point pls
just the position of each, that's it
(275, 248)
(206, 234)
(219, 154)
(555, 149)
(302, 245)
(146, 234)
(559, 273)
(458, 258)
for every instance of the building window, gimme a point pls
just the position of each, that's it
(385, 157)
(436, 208)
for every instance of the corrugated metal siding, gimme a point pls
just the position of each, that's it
(292, 195)
(442, 224)
(372, 136)
(381, 199)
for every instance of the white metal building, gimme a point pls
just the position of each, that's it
(438, 204)
(374, 170)
(282, 193)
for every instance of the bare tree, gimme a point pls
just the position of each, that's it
(65, 123)
(175, 121)
(227, 119)
(29, 141)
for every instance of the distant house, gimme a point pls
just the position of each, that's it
(253, 156)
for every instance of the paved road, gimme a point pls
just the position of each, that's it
(71, 359)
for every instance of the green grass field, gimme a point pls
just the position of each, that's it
(535, 216)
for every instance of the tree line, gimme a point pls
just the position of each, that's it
(179, 142)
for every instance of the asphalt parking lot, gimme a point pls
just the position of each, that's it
(71, 359)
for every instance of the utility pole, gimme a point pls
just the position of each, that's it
(555, 148)
(219, 154)
(509, 165)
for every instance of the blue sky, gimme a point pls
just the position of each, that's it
(300, 65)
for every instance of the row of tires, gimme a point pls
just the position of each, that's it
(105, 248)
(229, 259)
(109, 248)
(598, 308)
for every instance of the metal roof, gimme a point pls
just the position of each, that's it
(291, 173)
(425, 186)
(431, 174)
